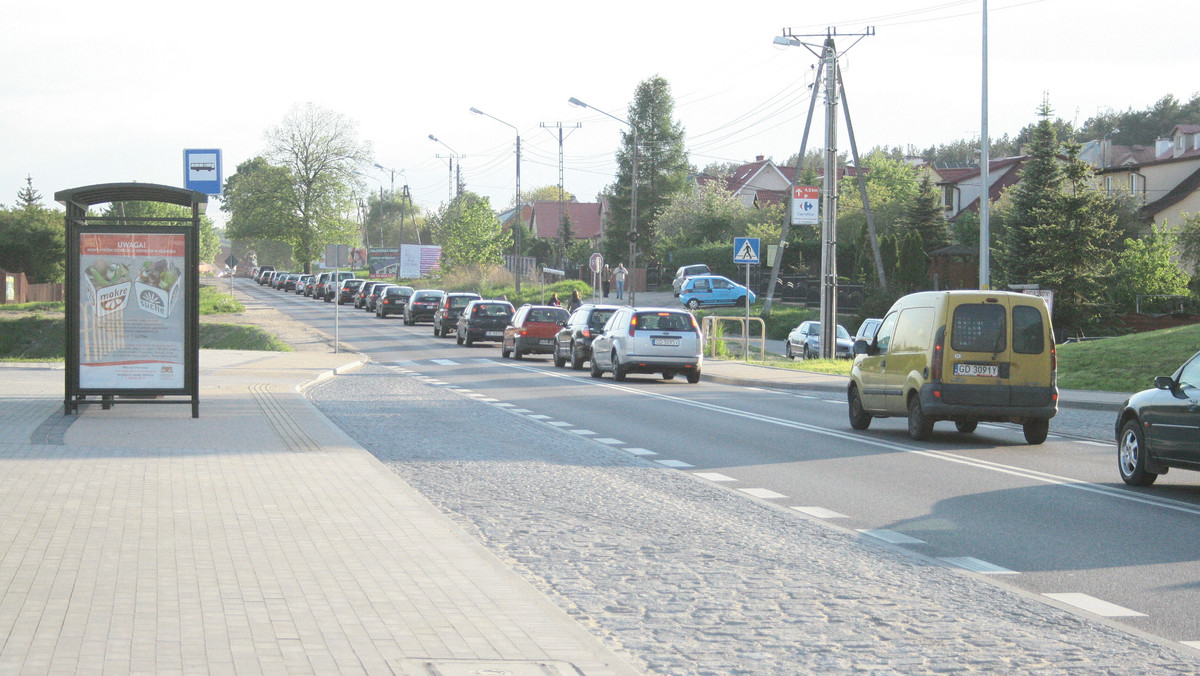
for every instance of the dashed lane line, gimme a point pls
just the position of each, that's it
(976, 565)
(821, 513)
(890, 536)
(677, 464)
(764, 493)
(714, 476)
(1093, 605)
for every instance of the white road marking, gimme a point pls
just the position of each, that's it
(1094, 605)
(610, 441)
(1101, 444)
(678, 464)
(714, 476)
(521, 410)
(891, 536)
(444, 362)
(489, 400)
(976, 565)
(539, 416)
(821, 512)
(559, 423)
(476, 395)
(1191, 644)
(505, 404)
(404, 362)
(763, 493)
(639, 451)
(582, 432)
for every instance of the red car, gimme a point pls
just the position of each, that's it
(532, 330)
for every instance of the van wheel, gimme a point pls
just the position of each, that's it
(859, 418)
(919, 424)
(693, 376)
(1131, 456)
(1036, 430)
(966, 426)
(668, 375)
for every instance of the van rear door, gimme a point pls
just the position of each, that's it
(997, 352)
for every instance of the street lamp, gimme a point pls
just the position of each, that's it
(632, 180)
(450, 167)
(517, 225)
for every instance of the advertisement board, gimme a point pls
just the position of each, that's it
(131, 331)
(383, 262)
(418, 260)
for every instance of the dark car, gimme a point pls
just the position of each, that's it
(573, 342)
(324, 290)
(371, 300)
(301, 283)
(532, 330)
(805, 341)
(445, 318)
(1159, 428)
(360, 297)
(422, 305)
(348, 290)
(392, 300)
(483, 321)
(279, 280)
(261, 276)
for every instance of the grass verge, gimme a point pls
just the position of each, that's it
(39, 338)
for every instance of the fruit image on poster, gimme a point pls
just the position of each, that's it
(131, 336)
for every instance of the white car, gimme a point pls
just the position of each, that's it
(648, 340)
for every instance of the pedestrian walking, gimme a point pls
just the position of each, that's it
(605, 279)
(575, 301)
(619, 277)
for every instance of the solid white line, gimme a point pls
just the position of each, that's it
(1094, 605)
(679, 464)
(976, 565)
(821, 512)
(714, 476)
(891, 536)
(763, 493)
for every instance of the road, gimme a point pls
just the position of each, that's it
(1050, 522)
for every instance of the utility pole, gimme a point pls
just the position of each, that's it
(561, 187)
(827, 68)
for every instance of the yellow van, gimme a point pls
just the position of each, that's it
(964, 356)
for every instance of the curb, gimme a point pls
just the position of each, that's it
(326, 375)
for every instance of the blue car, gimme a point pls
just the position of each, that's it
(713, 291)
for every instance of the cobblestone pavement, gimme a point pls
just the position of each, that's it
(685, 577)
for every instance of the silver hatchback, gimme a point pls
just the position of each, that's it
(648, 340)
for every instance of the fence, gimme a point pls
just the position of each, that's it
(14, 288)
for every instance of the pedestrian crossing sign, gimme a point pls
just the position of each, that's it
(745, 250)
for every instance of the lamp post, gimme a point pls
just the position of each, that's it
(517, 213)
(632, 188)
(453, 185)
(393, 172)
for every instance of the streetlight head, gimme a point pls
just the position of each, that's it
(785, 41)
(576, 102)
(433, 138)
(476, 111)
(380, 166)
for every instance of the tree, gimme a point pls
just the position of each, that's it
(1145, 268)
(662, 170)
(320, 152)
(923, 215)
(1188, 238)
(33, 240)
(210, 241)
(1033, 206)
(547, 193)
(27, 197)
(912, 264)
(470, 234)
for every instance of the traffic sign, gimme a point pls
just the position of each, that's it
(805, 203)
(202, 170)
(745, 250)
(232, 261)
(596, 262)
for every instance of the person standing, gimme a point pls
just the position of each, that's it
(575, 301)
(554, 300)
(619, 277)
(605, 279)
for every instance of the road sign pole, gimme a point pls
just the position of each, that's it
(746, 331)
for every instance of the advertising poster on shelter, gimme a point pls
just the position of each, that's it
(132, 323)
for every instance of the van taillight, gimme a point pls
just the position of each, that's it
(1053, 359)
(939, 344)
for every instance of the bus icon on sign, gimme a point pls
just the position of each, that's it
(204, 166)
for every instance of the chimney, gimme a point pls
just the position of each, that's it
(760, 158)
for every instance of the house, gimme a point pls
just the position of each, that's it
(761, 182)
(1166, 186)
(960, 183)
(587, 219)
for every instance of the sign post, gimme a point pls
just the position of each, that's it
(745, 251)
(595, 264)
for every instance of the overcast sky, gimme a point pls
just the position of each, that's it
(101, 92)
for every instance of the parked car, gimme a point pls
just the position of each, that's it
(302, 283)
(532, 330)
(445, 318)
(371, 302)
(686, 271)
(262, 273)
(713, 291)
(573, 342)
(963, 356)
(279, 280)
(483, 321)
(422, 305)
(805, 341)
(348, 290)
(866, 330)
(317, 281)
(1159, 428)
(392, 300)
(648, 340)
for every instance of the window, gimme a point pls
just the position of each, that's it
(700, 285)
(978, 328)
(721, 284)
(883, 337)
(663, 321)
(913, 330)
(1189, 377)
(1027, 330)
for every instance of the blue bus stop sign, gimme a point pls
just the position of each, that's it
(202, 171)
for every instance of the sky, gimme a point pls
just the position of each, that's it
(110, 92)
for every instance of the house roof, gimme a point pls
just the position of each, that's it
(586, 218)
(1184, 188)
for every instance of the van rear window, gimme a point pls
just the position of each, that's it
(1028, 333)
(978, 328)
